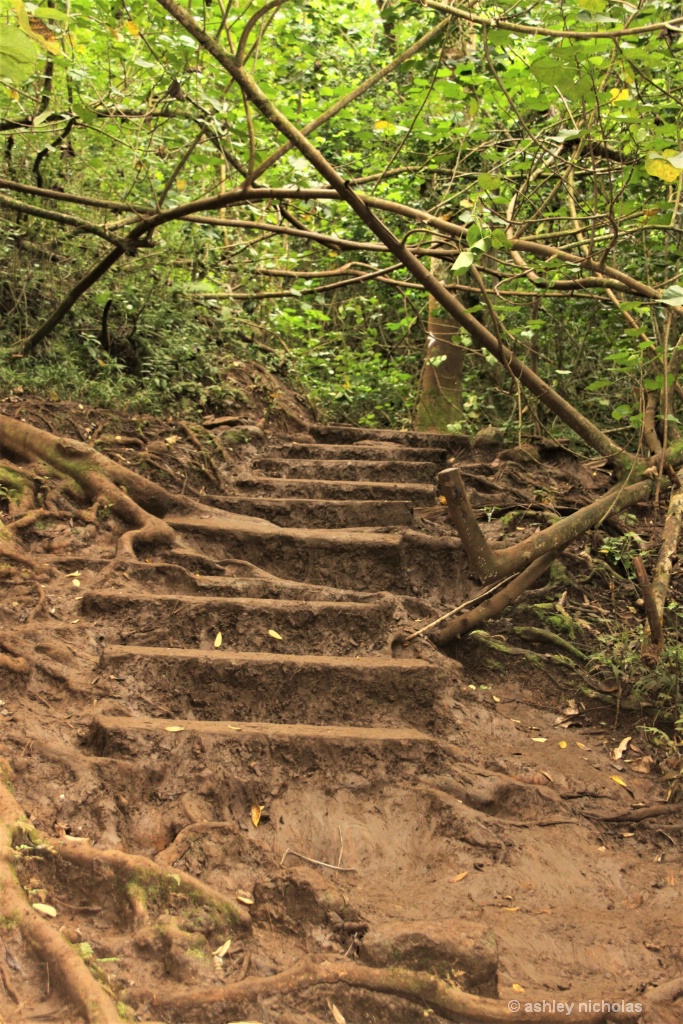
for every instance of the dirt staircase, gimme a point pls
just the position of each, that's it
(266, 731)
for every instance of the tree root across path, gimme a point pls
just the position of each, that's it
(417, 987)
(96, 1006)
(65, 964)
(139, 503)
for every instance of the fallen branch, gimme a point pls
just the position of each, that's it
(455, 611)
(495, 605)
(310, 860)
(661, 576)
(651, 610)
(489, 563)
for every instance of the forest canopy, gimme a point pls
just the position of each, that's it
(158, 218)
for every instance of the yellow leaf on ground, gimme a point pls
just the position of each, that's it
(45, 908)
(459, 878)
(256, 814)
(563, 744)
(174, 728)
(619, 782)
(275, 635)
(219, 640)
(337, 1014)
(539, 739)
(222, 950)
(517, 988)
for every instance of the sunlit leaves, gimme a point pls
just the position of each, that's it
(18, 54)
(664, 165)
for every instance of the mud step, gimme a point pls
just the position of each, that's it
(169, 578)
(311, 689)
(313, 512)
(415, 494)
(363, 451)
(407, 562)
(341, 434)
(104, 728)
(348, 469)
(186, 621)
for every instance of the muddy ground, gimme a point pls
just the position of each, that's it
(247, 713)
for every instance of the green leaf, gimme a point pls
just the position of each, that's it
(463, 263)
(489, 182)
(499, 240)
(17, 54)
(51, 13)
(621, 412)
(673, 296)
(553, 71)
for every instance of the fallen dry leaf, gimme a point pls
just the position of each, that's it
(618, 752)
(619, 782)
(222, 950)
(219, 640)
(539, 739)
(45, 908)
(76, 583)
(459, 878)
(256, 814)
(517, 988)
(246, 900)
(337, 1014)
(563, 744)
(174, 728)
(643, 766)
(275, 635)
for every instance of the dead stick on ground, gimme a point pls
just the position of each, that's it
(651, 610)
(309, 860)
(638, 813)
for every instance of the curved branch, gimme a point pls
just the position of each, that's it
(675, 25)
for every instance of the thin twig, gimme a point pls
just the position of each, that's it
(309, 860)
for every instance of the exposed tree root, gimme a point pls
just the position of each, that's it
(135, 500)
(183, 840)
(418, 987)
(19, 666)
(143, 871)
(66, 966)
(141, 874)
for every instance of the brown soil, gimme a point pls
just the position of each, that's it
(244, 713)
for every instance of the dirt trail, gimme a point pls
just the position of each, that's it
(357, 801)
